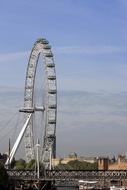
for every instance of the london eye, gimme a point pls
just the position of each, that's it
(48, 108)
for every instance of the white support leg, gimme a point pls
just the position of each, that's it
(17, 143)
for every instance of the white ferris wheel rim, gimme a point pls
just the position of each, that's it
(41, 46)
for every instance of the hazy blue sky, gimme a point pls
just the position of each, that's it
(89, 41)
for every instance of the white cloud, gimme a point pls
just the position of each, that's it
(91, 118)
(9, 57)
(87, 114)
(90, 50)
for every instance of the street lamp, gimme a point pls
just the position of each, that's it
(50, 152)
(37, 158)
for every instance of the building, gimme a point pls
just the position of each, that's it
(120, 164)
(55, 161)
(103, 163)
(88, 159)
(67, 159)
(73, 157)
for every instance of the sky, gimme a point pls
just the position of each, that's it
(89, 42)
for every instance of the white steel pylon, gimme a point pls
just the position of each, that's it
(17, 143)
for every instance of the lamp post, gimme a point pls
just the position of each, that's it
(50, 152)
(37, 159)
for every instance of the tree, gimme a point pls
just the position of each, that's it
(20, 164)
(77, 165)
(30, 165)
(3, 177)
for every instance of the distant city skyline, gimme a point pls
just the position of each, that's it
(89, 42)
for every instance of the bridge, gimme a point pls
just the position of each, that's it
(63, 178)
(69, 175)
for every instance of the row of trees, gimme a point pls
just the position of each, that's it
(22, 165)
(77, 165)
(72, 165)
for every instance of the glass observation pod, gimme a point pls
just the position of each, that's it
(45, 41)
(42, 40)
(49, 55)
(30, 76)
(51, 135)
(28, 87)
(33, 56)
(50, 65)
(51, 77)
(31, 66)
(53, 106)
(52, 91)
(47, 47)
(52, 121)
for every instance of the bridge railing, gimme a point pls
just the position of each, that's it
(68, 174)
(22, 174)
(85, 175)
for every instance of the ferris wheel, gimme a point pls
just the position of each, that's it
(49, 108)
